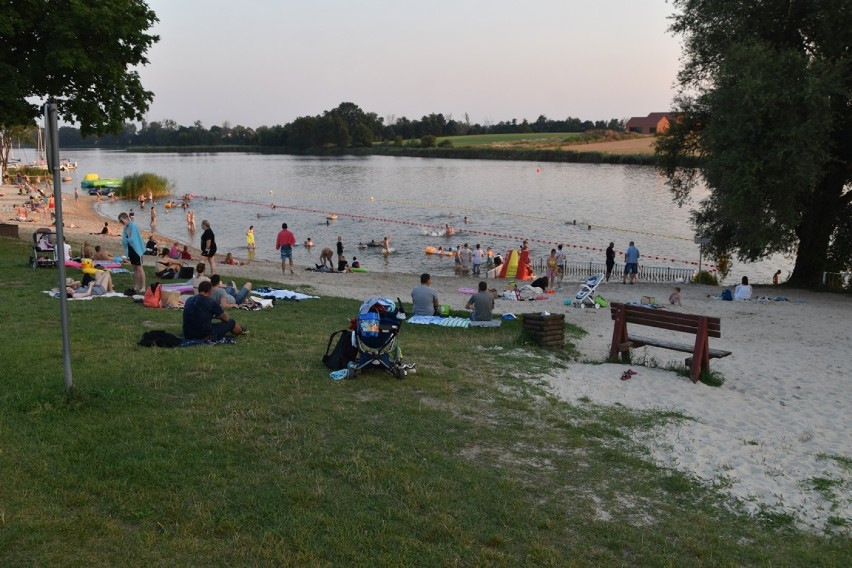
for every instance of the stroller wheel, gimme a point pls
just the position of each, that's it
(34, 261)
(351, 372)
(399, 372)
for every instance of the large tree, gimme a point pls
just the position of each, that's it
(766, 122)
(79, 53)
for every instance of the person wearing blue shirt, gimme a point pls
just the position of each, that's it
(631, 263)
(134, 248)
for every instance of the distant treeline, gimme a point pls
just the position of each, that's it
(344, 127)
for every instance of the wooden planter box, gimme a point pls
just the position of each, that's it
(547, 331)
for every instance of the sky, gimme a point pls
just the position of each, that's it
(267, 62)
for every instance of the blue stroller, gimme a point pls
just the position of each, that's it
(375, 338)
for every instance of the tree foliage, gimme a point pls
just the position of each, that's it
(763, 103)
(81, 54)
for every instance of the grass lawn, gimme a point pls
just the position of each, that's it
(251, 455)
(530, 139)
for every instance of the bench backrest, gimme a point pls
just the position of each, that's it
(664, 319)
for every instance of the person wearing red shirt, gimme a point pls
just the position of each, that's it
(284, 243)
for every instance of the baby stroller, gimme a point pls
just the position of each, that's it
(375, 338)
(45, 253)
(586, 294)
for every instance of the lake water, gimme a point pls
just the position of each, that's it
(411, 200)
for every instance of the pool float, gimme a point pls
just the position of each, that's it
(359, 269)
(433, 250)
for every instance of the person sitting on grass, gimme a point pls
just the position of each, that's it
(199, 312)
(481, 304)
(199, 277)
(228, 296)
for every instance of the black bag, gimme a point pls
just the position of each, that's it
(186, 272)
(159, 338)
(344, 352)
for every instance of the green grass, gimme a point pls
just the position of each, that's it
(548, 138)
(251, 455)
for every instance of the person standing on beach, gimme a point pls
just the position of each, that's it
(631, 263)
(208, 245)
(76, 196)
(560, 264)
(610, 260)
(134, 248)
(285, 243)
(478, 257)
(153, 217)
(339, 248)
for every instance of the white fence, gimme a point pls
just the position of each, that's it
(580, 270)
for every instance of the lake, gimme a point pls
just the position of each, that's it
(411, 200)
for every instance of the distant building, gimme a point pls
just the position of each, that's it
(654, 123)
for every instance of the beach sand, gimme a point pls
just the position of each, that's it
(774, 437)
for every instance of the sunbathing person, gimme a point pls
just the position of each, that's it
(102, 254)
(98, 285)
(228, 296)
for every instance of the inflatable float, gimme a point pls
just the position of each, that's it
(434, 250)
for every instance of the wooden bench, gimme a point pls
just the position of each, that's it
(702, 327)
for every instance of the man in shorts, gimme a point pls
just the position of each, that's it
(285, 243)
(134, 248)
(198, 314)
(631, 263)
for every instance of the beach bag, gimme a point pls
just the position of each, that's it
(159, 338)
(186, 272)
(342, 354)
(727, 295)
(171, 299)
(153, 296)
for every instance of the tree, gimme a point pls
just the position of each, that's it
(764, 121)
(79, 54)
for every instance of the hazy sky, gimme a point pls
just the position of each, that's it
(266, 62)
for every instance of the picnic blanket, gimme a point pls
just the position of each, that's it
(98, 264)
(279, 294)
(55, 294)
(438, 320)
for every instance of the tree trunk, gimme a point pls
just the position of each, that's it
(818, 223)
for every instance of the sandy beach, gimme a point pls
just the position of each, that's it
(774, 437)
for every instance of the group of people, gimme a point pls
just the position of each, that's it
(425, 301)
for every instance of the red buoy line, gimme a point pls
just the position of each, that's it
(476, 209)
(710, 268)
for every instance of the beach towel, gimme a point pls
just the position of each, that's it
(55, 294)
(437, 320)
(282, 294)
(105, 264)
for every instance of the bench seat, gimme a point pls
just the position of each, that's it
(639, 341)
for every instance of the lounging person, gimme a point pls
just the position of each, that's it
(229, 259)
(95, 282)
(199, 277)
(167, 267)
(743, 290)
(134, 248)
(228, 296)
(102, 254)
(199, 312)
(424, 297)
(481, 304)
(342, 264)
(151, 246)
